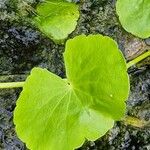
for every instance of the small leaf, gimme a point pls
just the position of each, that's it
(57, 19)
(134, 16)
(59, 114)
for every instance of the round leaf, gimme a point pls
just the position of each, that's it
(57, 19)
(134, 16)
(50, 116)
(59, 114)
(95, 66)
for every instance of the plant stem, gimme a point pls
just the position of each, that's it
(129, 120)
(138, 59)
(11, 85)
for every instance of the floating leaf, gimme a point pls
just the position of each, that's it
(59, 114)
(57, 19)
(134, 16)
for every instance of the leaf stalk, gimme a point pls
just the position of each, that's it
(9, 85)
(138, 59)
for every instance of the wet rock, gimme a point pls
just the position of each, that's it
(134, 47)
(22, 47)
(147, 41)
(140, 85)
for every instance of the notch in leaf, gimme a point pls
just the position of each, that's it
(57, 19)
(59, 114)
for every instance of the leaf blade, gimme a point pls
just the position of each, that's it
(57, 19)
(137, 19)
(49, 123)
(103, 71)
(55, 111)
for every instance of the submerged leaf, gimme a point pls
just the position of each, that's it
(134, 16)
(57, 18)
(59, 114)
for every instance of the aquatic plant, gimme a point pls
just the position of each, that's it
(57, 18)
(134, 16)
(62, 113)
(55, 113)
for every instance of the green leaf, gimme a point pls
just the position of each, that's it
(57, 19)
(59, 114)
(134, 16)
(95, 66)
(50, 115)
